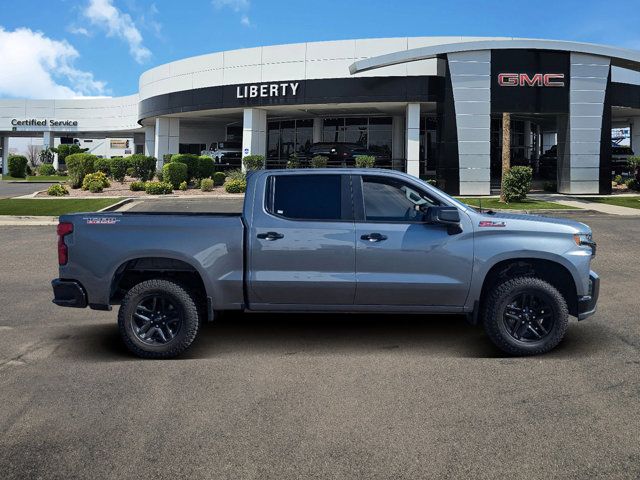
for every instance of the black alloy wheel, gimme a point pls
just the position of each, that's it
(156, 320)
(528, 316)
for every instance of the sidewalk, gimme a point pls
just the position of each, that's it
(579, 201)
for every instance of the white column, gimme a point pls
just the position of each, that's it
(150, 141)
(254, 132)
(412, 137)
(634, 123)
(397, 138)
(317, 130)
(166, 138)
(5, 155)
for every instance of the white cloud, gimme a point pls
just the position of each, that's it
(78, 30)
(35, 66)
(103, 14)
(238, 6)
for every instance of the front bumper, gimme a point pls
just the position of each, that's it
(587, 303)
(68, 293)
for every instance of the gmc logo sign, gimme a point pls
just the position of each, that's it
(537, 80)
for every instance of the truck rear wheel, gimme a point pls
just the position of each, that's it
(525, 316)
(158, 319)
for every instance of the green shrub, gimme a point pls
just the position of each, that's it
(517, 183)
(633, 163)
(219, 178)
(294, 161)
(57, 190)
(205, 167)
(159, 175)
(550, 187)
(158, 188)
(102, 165)
(632, 184)
(130, 171)
(174, 173)
(191, 161)
(94, 179)
(206, 184)
(183, 186)
(253, 162)
(144, 167)
(118, 168)
(29, 171)
(46, 169)
(66, 150)
(236, 175)
(319, 161)
(617, 179)
(17, 166)
(79, 165)
(137, 186)
(166, 158)
(365, 161)
(236, 186)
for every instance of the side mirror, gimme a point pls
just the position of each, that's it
(449, 216)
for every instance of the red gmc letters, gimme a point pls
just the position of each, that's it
(536, 80)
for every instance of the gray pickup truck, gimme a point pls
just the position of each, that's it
(329, 240)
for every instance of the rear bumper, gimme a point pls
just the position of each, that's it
(68, 293)
(587, 303)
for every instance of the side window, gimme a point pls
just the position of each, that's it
(391, 200)
(306, 197)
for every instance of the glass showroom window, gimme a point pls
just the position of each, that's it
(286, 137)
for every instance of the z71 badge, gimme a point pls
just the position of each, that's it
(491, 223)
(101, 220)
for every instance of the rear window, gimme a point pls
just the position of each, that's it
(306, 197)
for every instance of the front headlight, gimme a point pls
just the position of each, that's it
(586, 240)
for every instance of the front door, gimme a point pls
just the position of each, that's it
(302, 244)
(401, 260)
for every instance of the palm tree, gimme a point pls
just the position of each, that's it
(506, 150)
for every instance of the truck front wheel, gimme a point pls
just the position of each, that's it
(158, 319)
(525, 316)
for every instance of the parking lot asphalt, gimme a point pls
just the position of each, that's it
(14, 189)
(316, 396)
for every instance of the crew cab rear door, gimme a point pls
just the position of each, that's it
(400, 259)
(301, 242)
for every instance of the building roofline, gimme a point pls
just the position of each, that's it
(620, 57)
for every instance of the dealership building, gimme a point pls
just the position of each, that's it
(430, 106)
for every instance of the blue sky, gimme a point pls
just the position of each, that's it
(66, 48)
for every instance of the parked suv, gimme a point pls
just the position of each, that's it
(225, 153)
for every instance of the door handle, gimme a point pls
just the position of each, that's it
(374, 237)
(270, 236)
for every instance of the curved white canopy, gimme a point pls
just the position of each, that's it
(620, 57)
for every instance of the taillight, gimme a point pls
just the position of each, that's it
(64, 228)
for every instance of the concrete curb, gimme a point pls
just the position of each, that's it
(116, 205)
(17, 220)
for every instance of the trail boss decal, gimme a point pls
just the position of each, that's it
(491, 223)
(536, 80)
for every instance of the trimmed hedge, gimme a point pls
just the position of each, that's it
(365, 161)
(143, 167)
(175, 173)
(158, 188)
(78, 166)
(95, 182)
(191, 161)
(206, 184)
(219, 178)
(205, 167)
(183, 186)
(236, 186)
(253, 162)
(102, 165)
(137, 186)
(517, 183)
(118, 168)
(57, 190)
(18, 166)
(46, 169)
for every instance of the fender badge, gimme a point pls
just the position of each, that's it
(491, 223)
(101, 220)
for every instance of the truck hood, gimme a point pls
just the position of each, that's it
(534, 222)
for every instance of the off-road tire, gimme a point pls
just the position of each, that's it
(497, 302)
(177, 294)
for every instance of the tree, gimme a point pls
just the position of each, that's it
(506, 150)
(65, 150)
(33, 154)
